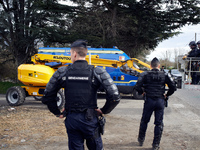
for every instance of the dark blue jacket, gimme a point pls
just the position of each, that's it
(153, 84)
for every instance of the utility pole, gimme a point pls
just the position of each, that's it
(166, 60)
(195, 37)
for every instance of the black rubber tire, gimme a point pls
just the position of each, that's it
(136, 95)
(60, 99)
(15, 96)
(38, 98)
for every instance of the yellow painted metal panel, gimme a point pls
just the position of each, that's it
(125, 82)
(33, 91)
(34, 75)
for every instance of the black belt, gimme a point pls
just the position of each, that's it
(77, 110)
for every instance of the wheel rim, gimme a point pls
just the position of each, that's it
(59, 102)
(13, 96)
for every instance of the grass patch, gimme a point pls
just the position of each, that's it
(6, 85)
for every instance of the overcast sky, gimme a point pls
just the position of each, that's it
(179, 42)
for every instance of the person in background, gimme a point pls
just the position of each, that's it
(194, 51)
(152, 85)
(162, 69)
(81, 82)
(198, 45)
(194, 64)
(198, 64)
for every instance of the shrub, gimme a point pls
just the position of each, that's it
(6, 85)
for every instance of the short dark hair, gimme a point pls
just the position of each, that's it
(80, 46)
(80, 51)
(155, 62)
(79, 43)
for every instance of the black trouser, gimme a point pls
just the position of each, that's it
(195, 79)
(80, 128)
(157, 106)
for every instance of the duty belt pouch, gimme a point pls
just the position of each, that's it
(89, 115)
(102, 121)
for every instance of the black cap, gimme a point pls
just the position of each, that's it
(79, 43)
(198, 42)
(155, 60)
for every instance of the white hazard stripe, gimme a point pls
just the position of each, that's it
(77, 78)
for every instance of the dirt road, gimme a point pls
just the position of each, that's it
(32, 127)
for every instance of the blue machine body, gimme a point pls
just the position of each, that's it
(104, 53)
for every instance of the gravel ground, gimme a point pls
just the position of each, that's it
(32, 127)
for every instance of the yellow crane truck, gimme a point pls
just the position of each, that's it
(35, 76)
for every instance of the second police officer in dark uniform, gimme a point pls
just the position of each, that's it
(194, 51)
(152, 85)
(194, 64)
(198, 45)
(81, 82)
(198, 68)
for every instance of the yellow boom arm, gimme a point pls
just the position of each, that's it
(93, 60)
(36, 76)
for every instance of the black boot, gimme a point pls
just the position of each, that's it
(155, 147)
(141, 141)
(141, 137)
(157, 136)
(142, 132)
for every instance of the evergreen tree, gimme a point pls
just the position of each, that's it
(132, 25)
(23, 23)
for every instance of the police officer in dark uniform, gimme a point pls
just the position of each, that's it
(162, 69)
(81, 82)
(194, 51)
(152, 85)
(198, 64)
(198, 45)
(194, 64)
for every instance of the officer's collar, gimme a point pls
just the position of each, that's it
(82, 61)
(155, 69)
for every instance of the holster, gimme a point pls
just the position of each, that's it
(102, 121)
(166, 101)
(145, 97)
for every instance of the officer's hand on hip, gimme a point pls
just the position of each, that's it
(99, 112)
(61, 116)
